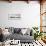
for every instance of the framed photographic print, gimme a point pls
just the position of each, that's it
(14, 16)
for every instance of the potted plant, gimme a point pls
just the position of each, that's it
(37, 33)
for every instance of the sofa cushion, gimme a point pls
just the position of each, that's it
(22, 38)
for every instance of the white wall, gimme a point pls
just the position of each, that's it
(30, 14)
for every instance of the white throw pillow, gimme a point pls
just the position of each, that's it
(23, 31)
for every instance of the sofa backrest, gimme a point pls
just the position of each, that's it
(25, 31)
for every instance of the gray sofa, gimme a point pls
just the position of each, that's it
(17, 35)
(22, 38)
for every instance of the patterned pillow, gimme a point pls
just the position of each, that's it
(11, 30)
(17, 30)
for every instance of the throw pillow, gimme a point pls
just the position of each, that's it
(23, 31)
(17, 30)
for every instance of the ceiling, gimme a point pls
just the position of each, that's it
(23, 0)
(20, 0)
